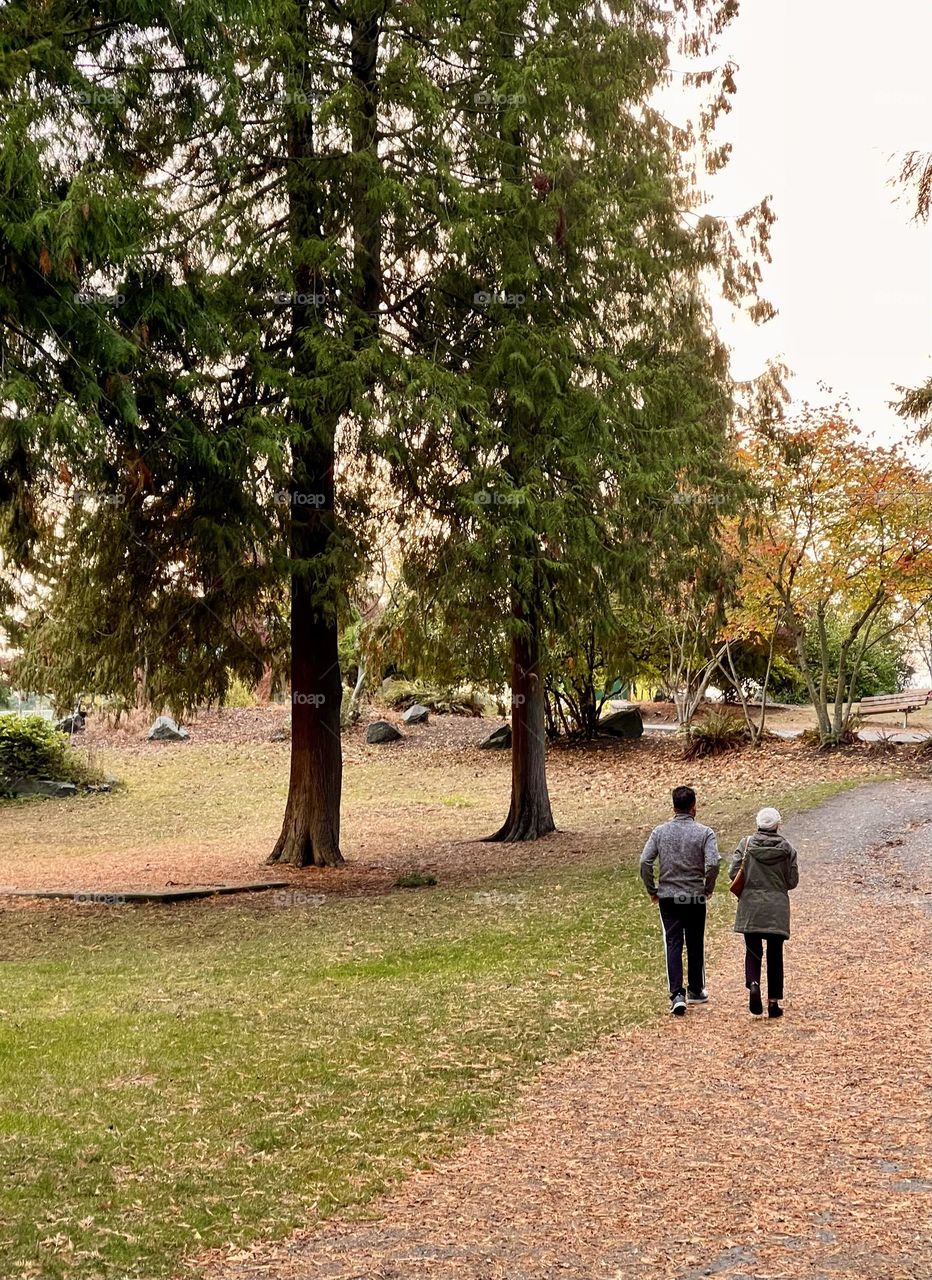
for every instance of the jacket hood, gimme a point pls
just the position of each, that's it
(769, 846)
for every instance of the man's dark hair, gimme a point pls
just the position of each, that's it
(683, 799)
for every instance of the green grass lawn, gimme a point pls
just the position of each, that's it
(177, 1078)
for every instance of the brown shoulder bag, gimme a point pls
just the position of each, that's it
(737, 885)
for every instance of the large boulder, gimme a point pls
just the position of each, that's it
(382, 731)
(72, 724)
(40, 787)
(626, 723)
(416, 714)
(498, 739)
(166, 729)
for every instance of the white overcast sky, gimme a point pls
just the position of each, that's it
(829, 95)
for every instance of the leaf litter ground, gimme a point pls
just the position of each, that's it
(718, 1145)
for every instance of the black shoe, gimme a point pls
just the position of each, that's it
(678, 1005)
(774, 1010)
(697, 997)
(755, 1004)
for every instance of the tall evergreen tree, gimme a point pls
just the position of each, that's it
(267, 163)
(573, 441)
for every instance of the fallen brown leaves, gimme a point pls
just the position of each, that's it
(208, 810)
(719, 1145)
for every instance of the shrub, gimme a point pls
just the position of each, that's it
(238, 694)
(717, 733)
(401, 694)
(349, 650)
(31, 747)
(849, 737)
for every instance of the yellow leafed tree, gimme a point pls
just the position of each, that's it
(845, 530)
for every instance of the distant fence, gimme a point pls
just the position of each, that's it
(28, 707)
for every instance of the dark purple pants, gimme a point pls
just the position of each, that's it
(754, 957)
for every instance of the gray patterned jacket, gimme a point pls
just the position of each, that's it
(688, 856)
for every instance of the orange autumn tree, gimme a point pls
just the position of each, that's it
(845, 531)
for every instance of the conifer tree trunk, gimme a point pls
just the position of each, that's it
(310, 833)
(311, 828)
(529, 816)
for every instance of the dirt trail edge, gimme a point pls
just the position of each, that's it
(717, 1145)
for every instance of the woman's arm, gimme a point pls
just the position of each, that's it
(736, 859)
(792, 872)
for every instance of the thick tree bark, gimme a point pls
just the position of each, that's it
(311, 829)
(529, 816)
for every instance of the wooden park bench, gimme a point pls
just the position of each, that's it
(898, 703)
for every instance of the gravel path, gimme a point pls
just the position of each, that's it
(717, 1145)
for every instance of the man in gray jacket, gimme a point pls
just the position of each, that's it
(688, 856)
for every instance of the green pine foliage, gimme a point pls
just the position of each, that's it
(258, 262)
(565, 440)
(129, 480)
(199, 206)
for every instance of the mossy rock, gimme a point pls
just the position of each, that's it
(416, 880)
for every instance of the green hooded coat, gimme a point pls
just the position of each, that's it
(770, 873)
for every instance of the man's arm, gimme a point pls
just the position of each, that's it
(648, 858)
(712, 860)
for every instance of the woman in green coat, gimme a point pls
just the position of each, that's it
(770, 872)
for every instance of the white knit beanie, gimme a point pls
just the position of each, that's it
(769, 819)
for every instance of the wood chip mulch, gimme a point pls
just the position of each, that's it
(716, 1145)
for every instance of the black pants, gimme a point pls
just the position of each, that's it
(753, 959)
(684, 921)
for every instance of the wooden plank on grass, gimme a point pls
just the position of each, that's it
(117, 897)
